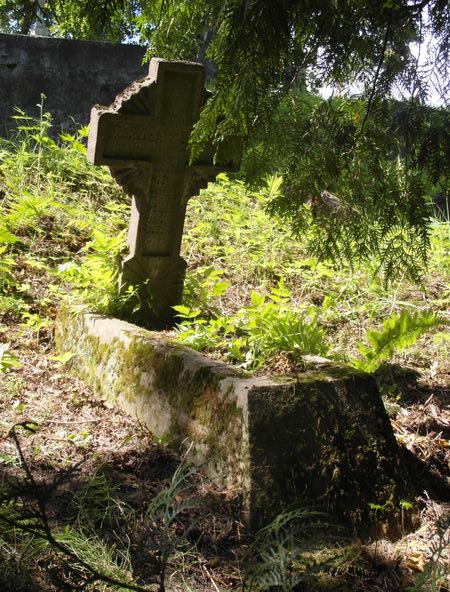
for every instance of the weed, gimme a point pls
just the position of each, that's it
(163, 531)
(440, 247)
(97, 557)
(94, 281)
(7, 359)
(256, 333)
(6, 265)
(35, 323)
(398, 333)
(24, 514)
(49, 200)
(286, 551)
(99, 502)
(11, 386)
(203, 287)
(162, 534)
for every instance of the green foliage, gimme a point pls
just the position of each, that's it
(278, 546)
(7, 359)
(51, 199)
(65, 221)
(398, 332)
(354, 193)
(167, 505)
(376, 155)
(6, 266)
(228, 228)
(164, 514)
(257, 332)
(440, 249)
(291, 550)
(85, 19)
(202, 286)
(17, 16)
(94, 280)
(93, 551)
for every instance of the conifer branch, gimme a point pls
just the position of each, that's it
(377, 75)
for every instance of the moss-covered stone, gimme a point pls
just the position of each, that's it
(327, 443)
(323, 439)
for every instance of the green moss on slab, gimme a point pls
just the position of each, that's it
(313, 440)
(154, 368)
(318, 443)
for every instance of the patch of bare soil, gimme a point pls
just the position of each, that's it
(83, 463)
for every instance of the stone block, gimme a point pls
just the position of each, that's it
(322, 439)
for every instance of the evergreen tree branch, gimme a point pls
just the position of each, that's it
(376, 77)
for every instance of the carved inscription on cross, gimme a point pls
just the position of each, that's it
(143, 138)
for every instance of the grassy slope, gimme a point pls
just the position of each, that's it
(62, 227)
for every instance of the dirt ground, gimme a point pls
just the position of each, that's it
(70, 441)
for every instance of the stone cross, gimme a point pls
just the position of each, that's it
(143, 138)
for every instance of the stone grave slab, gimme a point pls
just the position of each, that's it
(143, 138)
(321, 440)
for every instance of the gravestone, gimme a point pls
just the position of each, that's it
(320, 439)
(143, 138)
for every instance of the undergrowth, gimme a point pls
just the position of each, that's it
(253, 296)
(252, 292)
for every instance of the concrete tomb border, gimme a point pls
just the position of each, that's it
(322, 439)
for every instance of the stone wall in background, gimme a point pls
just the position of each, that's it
(73, 75)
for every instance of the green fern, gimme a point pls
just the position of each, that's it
(291, 552)
(398, 332)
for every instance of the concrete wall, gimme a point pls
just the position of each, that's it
(74, 75)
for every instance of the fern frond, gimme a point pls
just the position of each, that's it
(398, 333)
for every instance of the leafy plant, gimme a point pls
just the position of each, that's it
(164, 532)
(270, 325)
(49, 201)
(6, 267)
(228, 229)
(440, 247)
(7, 359)
(398, 333)
(203, 286)
(282, 554)
(92, 551)
(94, 279)
(24, 517)
(98, 502)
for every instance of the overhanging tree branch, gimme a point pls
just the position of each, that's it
(376, 77)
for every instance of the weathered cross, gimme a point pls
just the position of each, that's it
(143, 138)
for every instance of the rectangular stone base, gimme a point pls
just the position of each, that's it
(321, 440)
